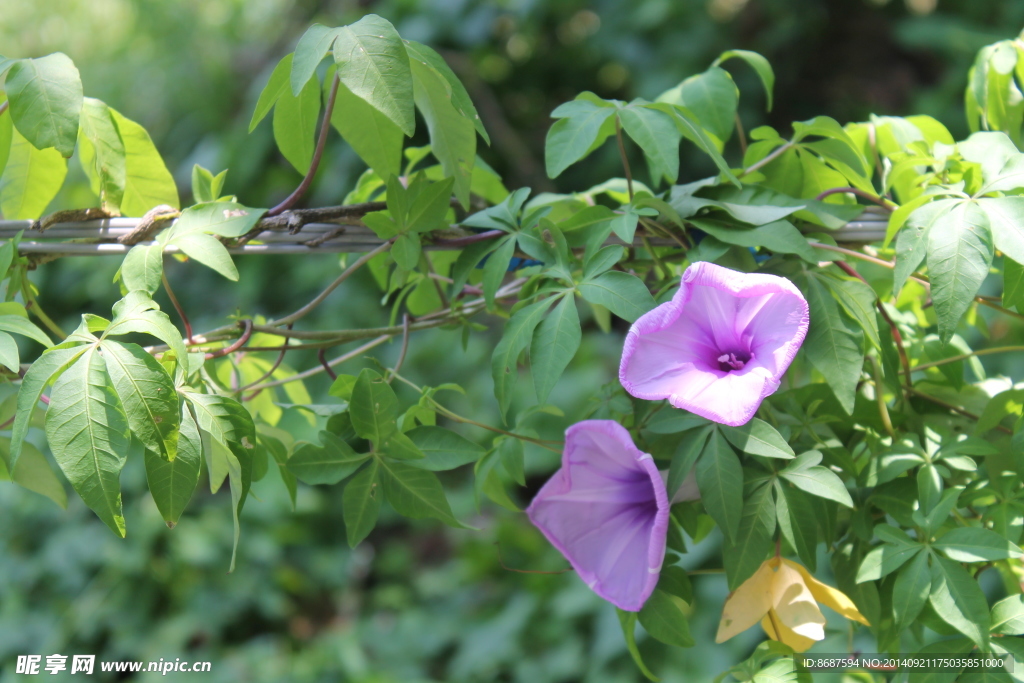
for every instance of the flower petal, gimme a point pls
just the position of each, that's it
(747, 604)
(794, 604)
(829, 596)
(730, 398)
(606, 510)
(785, 635)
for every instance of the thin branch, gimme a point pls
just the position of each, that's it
(405, 347)
(956, 409)
(298, 377)
(883, 409)
(305, 310)
(177, 307)
(965, 356)
(741, 135)
(622, 154)
(860, 193)
(776, 153)
(273, 368)
(325, 126)
(35, 309)
(456, 242)
(239, 343)
(3, 107)
(322, 357)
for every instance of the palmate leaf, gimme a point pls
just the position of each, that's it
(88, 435)
(443, 449)
(278, 83)
(372, 135)
(712, 97)
(311, 49)
(911, 589)
(147, 396)
(460, 97)
(623, 294)
(373, 64)
(753, 538)
(959, 257)
(581, 128)
(46, 100)
(143, 268)
(957, 599)
(657, 135)
(326, 464)
(172, 483)
(373, 408)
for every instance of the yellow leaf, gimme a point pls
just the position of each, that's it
(785, 635)
(794, 605)
(828, 596)
(747, 604)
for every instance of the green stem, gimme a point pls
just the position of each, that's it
(883, 409)
(964, 356)
(622, 154)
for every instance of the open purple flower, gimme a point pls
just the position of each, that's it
(606, 510)
(720, 346)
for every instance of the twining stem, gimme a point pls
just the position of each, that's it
(405, 347)
(543, 443)
(860, 193)
(883, 409)
(965, 356)
(741, 135)
(469, 239)
(177, 307)
(318, 369)
(305, 310)
(238, 343)
(625, 161)
(273, 368)
(956, 409)
(325, 126)
(322, 357)
(896, 336)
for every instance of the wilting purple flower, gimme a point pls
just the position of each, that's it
(720, 346)
(606, 510)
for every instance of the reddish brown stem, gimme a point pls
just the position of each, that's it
(239, 343)
(860, 193)
(277, 363)
(956, 409)
(178, 308)
(322, 357)
(325, 126)
(3, 107)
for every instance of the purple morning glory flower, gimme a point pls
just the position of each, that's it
(606, 510)
(720, 346)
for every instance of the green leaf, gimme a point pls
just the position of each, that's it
(452, 135)
(372, 135)
(327, 464)
(143, 268)
(30, 180)
(957, 599)
(415, 493)
(628, 622)
(555, 342)
(623, 294)
(6, 134)
(858, 300)
(173, 483)
(690, 128)
(884, 560)
(9, 356)
(46, 368)
(278, 84)
(373, 64)
(757, 437)
(19, 325)
(107, 150)
(209, 251)
(516, 337)
(797, 522)
(1013, 284)
(675, 581)
(400, 447)
(295, 119)
(833, 346)
(712, 97)
(1006, 223)
(443, 449)
(818, 481)
(1008, 616)
(970, 544)
(657, 135)
(226, 219)
(579, 130)
(137, 312)
(779, 236)
(360, 503)
(88, 435)
(496, 267)
(910, 592)
(238, 477)
(374, 407)
(147, 182)
(912, 243)
(664, 617)
(689, 448)
(720, 479)
(959, 257)
(46, 100)
(312, 47)
(34, 473)
(460, 97)
(406, 251)
(759, 64)
(206, 187)
(230, 424)
(754, 537)
(147, 394)
(280, 454)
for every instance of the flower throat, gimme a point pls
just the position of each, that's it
(728, 362)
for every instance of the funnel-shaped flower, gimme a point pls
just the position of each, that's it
(606, 510)
(720, 346)
(784, 597)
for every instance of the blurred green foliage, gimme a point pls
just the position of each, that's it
(415, 602)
